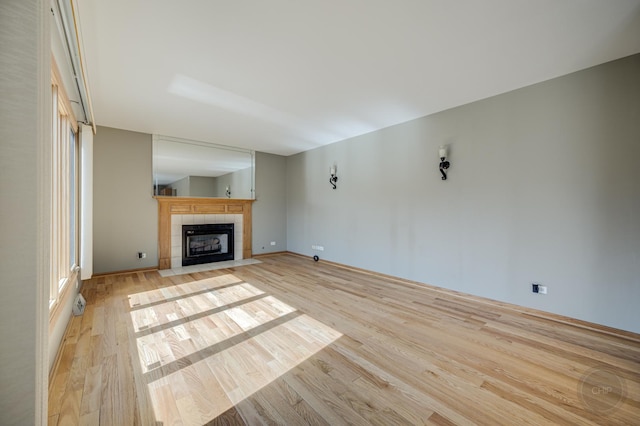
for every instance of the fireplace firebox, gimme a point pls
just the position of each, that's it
(207, 243)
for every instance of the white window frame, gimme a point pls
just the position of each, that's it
(65, 212)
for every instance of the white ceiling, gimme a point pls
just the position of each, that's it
(287, 76)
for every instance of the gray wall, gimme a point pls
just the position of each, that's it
(202, 186)
(269, 209)
(195, 186)
(25, 210)
(125, 213)
(544, 187)
(181, 187)
(239, 182)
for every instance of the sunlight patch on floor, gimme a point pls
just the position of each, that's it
(188, 337)
(151, 297)
(177, 308)
(202, 391)
(206, 345)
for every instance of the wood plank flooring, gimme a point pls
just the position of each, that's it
(294, 342)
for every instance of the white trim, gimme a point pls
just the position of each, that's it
(66, 20)
(86, 202)
(43, 255)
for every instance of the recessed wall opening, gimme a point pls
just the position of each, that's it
(207, 243)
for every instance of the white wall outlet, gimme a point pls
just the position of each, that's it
(142, 255)
(319, 248)
(542, 289)
(273, 243)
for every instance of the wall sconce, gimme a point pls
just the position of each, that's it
(444, 164)
(228, 191)
(333, 179)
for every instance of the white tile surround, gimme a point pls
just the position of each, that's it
(177, 220)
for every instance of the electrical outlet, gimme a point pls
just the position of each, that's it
(142, 255)
(273, 243)
(319, 248)
(538, 288)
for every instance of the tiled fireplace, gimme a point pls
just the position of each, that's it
(173, 212)
(178, 220)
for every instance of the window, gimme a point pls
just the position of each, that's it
(73, 165)
(64, 190)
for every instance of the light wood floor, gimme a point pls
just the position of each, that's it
(294, 342)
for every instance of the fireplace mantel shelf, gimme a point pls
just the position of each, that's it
(168, 206)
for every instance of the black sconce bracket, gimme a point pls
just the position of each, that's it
(444, 165)
(332, 180)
